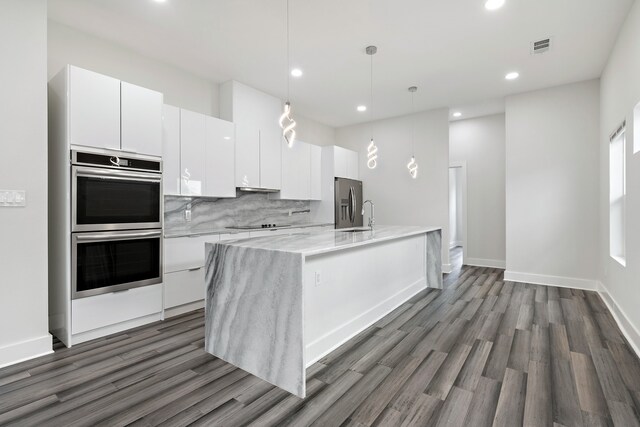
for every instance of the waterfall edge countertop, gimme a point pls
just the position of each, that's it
(323, 241)
(277, 304)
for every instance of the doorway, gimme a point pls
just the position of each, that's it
(458, 207)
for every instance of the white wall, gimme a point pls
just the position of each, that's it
(552, 194)
(314, 132)
(480, 143)
(454, 208)
(400, 199)
(23, 148)
(620, 93)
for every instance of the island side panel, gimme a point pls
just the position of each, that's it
(347, 291)
(253, 313)
(434, 259)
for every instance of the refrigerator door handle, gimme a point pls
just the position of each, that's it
(354, 204)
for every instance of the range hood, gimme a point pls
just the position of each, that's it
(257, 190)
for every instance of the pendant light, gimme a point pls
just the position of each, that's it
(412, 165)
(372, 150)
(287, 124)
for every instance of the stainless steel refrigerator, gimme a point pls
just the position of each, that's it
(348, 203)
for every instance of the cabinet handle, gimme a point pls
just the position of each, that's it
(195, 269)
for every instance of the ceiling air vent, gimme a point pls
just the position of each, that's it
(540, 46)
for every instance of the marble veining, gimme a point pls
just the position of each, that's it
(318, 242)
(254, 313)
(216, 214)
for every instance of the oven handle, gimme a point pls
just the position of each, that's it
(109, 173)
(116, 236)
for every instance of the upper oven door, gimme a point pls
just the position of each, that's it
(109, 199)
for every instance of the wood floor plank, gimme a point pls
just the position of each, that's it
(566, 407)
(538, 407)
(498, 358)
(454, 411)
(520, 351)
(510, 407)
(443, 381)
(590, 395)
(422, 412)
(417, 383)
(483, 405)
(474, 366)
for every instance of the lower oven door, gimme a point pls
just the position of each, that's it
(115, 261)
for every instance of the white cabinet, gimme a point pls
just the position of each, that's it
(184, 269)
(141, 120)
(271, 142)
(192, 153)
(107, 113)
(171, 150)
(258, 162)
(247, 162)
(219, 158)
(315, 168)
(296, 175)
(94, 109)
(345, 163)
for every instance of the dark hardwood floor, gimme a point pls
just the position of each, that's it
(480, 352)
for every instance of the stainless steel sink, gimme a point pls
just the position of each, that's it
(355, 230)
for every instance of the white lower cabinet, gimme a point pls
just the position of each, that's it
(184, 269)
(109, 309)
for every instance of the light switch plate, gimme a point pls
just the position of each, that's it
(13, 198)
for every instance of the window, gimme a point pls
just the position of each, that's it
(617, 195)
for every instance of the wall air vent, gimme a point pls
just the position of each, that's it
(540, 46)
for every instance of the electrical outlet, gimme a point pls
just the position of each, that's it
(318, 278)
(13, 198)
(187, 215)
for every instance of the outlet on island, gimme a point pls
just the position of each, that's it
(187, 213)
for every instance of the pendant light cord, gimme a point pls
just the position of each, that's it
(371, 97)
(413, 126)
(288, 57)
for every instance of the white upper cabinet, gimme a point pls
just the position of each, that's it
(192, 152)
(296, 174)
(247, 161)
(219, 158)
(141, 120)
(315, 168)
(171, 150)
(345, 163)
(94, 109)
(271, 142)
(251, 111)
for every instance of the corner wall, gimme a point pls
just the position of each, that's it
(480, 143)
(23, 150)
(552, 182)
(400, 199)
(620, 93)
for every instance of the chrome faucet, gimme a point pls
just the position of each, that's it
(372, 218)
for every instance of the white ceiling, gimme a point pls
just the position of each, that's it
(455, 51)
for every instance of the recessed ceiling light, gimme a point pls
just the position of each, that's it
(296, 72)
(457, 114)
(362, 108)
(226, 138)
(160, 1)
(493, 4)
(512, 75)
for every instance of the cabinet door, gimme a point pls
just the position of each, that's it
(340, 162)
(271, 142)
(171, 150)
(94, 109)
(141, 116)
(304, 171)
(247, 156)
(192, 153)
(352, 164)
(295, 172)
(315, 168)
(219, 158)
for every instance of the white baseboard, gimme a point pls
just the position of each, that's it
(25, 350)
(446, 268)
(333, 339)
(630, 332)
(182, 309)
(560, 281)
(480, 262)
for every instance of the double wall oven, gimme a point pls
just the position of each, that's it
(116, 222)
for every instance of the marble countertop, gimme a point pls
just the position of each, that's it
(323, 241)
(204, 232)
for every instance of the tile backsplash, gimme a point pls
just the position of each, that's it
(246, 209)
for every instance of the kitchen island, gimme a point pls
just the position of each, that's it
(277, 304)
